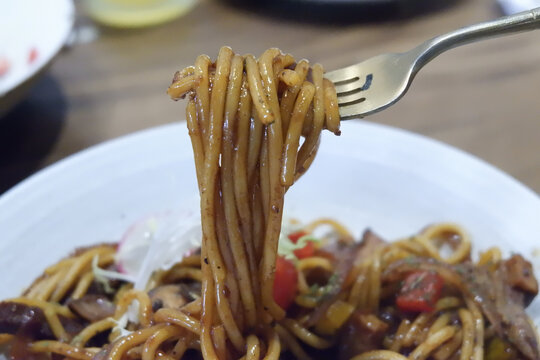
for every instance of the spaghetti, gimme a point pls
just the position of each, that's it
(257, 290)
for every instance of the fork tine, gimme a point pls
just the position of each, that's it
(355, 97)
(350, 111)
(339, 75)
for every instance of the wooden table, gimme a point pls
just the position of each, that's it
(484, 99)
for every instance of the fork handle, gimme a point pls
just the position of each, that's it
(523, 21)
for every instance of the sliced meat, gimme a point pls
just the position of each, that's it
(361, 333)
(92, 307)
(504, 310)
(520, 276)
(174, 296)
(30, 322)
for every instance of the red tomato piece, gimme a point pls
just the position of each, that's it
(285, 282)
(32, 55)
(420, 291)
(307, 250)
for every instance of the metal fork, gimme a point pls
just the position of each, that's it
(376, 83)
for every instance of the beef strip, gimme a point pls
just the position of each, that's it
(30, 322)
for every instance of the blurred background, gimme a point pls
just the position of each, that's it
(75, 74)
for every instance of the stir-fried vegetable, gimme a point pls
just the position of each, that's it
(285, 282)
(420, 291)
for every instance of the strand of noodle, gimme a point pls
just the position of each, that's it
(336, 226)
(291, 344)
(264, 176)
(244, 260)
(289, 77)
(446, 350)
(44, 291)
(80, 264)
(260, 101)
(218, 335)
(253, 348)
(291, 93)
(380, 355)
(192, 260)
(43, 305)
(331, 106)
(439, 323)
(301, 168)
(256, 134)
(490, 256)
(448, 302)
(82, 286)
(401, 332)
(274, 347)
(241, 183)
(208, 195)
(305, 335)
(180, 87)
(416, 327)
(193, 307)
(313, 262)
(202, 97)
(312, 140)
(432, 342)
(181, 346)
(184, 273)
(290, 150)
(258, 220)
(460, 254)
(196, 140)
(478, 319)
(153, 342)
(280, 63)
(277, 191)
(207, 314)
(122, 345)
(64, 263)
(92, 330)
(308, 121)
(61, 348)
(177, 317)
(374, 281)
(468, 334)
(144, 306)
(232, 302)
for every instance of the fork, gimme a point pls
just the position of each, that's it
(379, 82)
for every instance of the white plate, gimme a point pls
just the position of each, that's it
(372, 176)
(31, 24)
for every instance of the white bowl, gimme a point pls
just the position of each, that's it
(372, 176)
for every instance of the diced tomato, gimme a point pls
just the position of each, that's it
(307, 250)
(32, 55)
(4, 66)
(420, 291)
(285, 282)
